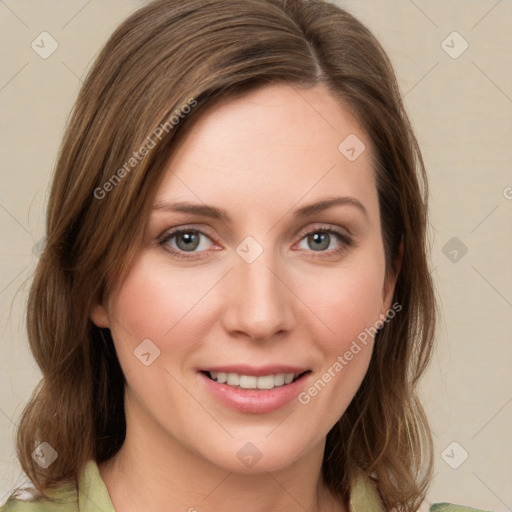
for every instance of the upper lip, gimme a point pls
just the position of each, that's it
(245, 369)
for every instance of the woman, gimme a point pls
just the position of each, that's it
(234, 296)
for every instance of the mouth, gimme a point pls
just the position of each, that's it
(260, 382)
(254, 390)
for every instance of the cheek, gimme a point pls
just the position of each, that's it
(162, 306)
(348, 304)
(345, 301)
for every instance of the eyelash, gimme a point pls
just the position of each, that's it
(345, 240)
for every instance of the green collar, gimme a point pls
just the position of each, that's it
(364, 496)
(94, 497)
(93, 494)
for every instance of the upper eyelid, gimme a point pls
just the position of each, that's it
(320, 226)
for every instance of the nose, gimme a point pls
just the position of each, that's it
(259, 304)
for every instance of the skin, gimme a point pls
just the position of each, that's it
(259, 157)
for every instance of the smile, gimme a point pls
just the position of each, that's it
(253, 382)
(271, 389)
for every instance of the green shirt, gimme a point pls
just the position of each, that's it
(93, 497)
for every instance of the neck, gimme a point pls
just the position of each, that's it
(154, 471)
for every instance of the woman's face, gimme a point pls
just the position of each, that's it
(276, 271)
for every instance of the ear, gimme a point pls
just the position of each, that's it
(390, 281)
(99, 316)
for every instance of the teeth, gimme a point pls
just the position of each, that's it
(248, 381)
(279, 379)
(233, 379)
(265, 381)
(253, 382)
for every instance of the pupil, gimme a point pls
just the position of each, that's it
(323, 238)
(189, 241)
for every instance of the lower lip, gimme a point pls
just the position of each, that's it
(253, 400)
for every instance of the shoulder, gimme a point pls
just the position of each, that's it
(364, 496)
(61, 499)
(92, 496)
(29, 506)
(38, 505)
(450, 507)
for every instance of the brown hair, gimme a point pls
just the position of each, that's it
(173, 53)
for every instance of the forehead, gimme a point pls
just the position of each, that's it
(275, 145)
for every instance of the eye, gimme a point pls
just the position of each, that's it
(182, 241)
(189, 243)
(326, 240)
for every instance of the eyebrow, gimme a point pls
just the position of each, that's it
(220, 214)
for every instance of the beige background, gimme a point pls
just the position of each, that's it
(462, 111)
